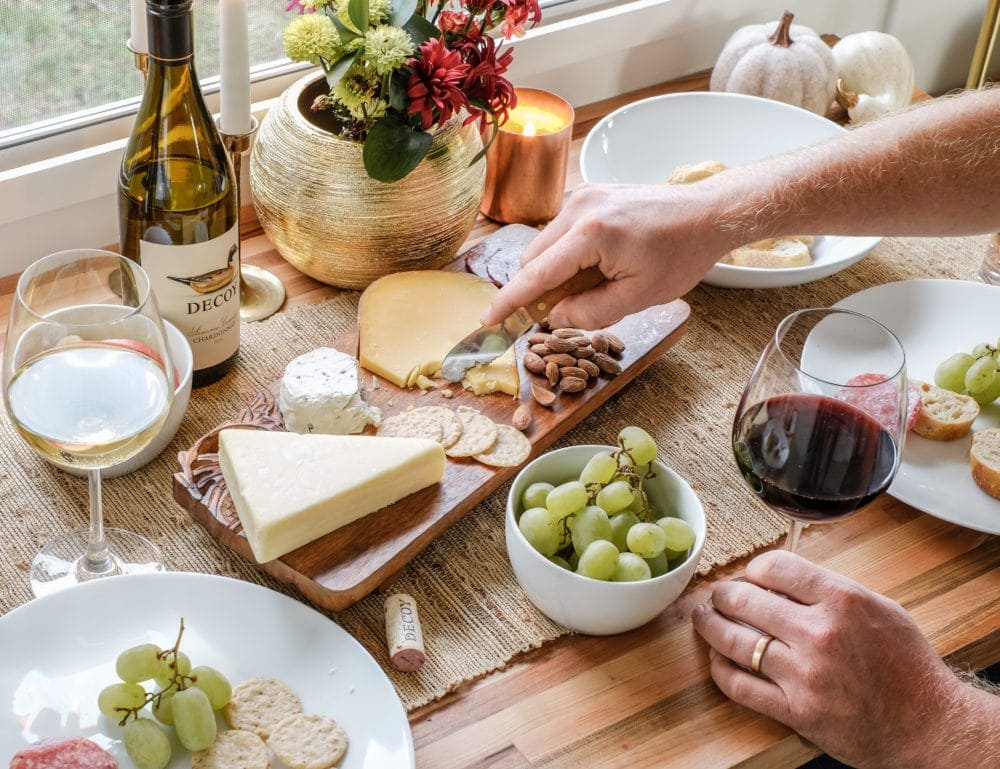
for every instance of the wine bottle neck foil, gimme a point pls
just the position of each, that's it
(171, 39)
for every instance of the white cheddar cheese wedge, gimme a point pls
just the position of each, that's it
(321, 393)
(409, 321)
(290, 489)
(499, 375)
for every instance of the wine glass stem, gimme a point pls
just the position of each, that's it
(98, 558)
(792, 540)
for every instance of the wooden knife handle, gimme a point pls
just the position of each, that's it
(582, 281)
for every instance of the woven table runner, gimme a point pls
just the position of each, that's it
(475, 617)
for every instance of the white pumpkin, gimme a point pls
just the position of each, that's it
(781, 61)
(875, 75)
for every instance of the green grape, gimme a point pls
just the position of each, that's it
(146, 744)
(600, 468)
(635, 506)
(167, 669)
(950, 374)
(566, 498)
(680, 535)
(194, 719)
(588, 525)
(981, 350)
(540, 528)
(535, 494)
(659, 565)
(981, 375)
(561, 562)
(990, 394)
(615, 497)
(630, 568)
(599, 560)
(113, 701)
(646, 540)
(163, 710)
(574, 560)
(620, 524)
(140, 663)
(214, 684)
(639, 444)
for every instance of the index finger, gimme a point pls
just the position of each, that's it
(792, 575)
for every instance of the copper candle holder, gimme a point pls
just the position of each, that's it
(526, 165)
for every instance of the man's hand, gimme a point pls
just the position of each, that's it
(848, 669)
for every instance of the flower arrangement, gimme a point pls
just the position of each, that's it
(396, 69)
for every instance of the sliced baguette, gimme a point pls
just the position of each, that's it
(695, 172)
(945, 416)
(772, 253)
(985, 460)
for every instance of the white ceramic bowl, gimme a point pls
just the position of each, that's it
(644, 141)
(180, 354)
(588, 605)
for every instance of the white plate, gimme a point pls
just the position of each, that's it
(644, 141)
(59, 652)
(934, 319)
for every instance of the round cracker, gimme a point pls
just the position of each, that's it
(258, 704)
(412, 424)
(479, 432)
(308, 741)
(510, 449)
(234, 749)
(451, 426)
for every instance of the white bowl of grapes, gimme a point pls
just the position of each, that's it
(603, 538)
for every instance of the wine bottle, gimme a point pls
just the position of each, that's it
(177, 200)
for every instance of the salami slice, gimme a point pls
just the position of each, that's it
(880, 402)
(70, 753)
(497, 257)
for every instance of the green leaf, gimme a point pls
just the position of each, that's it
(393, 149)
(401, 12)
(494, 123)
(346, 33)
(357, 12)
(336, 73)
(421, 30)
(397, 90)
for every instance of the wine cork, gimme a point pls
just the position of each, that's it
(402, 630)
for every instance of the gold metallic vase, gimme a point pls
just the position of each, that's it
(325, 215)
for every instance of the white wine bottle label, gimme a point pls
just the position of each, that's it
(197, 288)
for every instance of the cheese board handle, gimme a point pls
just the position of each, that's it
(582, 281)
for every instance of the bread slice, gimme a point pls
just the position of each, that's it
(695, 172)
(945, 416)
(772, 253)
(985, 460)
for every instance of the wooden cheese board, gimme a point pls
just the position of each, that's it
(344, 566)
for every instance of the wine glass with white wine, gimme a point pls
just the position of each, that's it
(88, 383)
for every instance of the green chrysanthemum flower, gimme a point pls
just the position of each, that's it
(387, 48)
(314, 5)
(310, 37)
(357, 92)
(378, 12)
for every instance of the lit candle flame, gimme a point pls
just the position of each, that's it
(529, 128)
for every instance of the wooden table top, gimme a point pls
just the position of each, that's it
(644, 699)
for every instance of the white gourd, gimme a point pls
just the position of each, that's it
(781, 61)
(875, 75)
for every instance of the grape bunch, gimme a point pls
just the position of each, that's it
(183, 697)
(602, 525)
(976, 373)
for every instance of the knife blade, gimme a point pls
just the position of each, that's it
(487, 343)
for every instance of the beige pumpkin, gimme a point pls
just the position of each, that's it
(875, 75)
(781, 61)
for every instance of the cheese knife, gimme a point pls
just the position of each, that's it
(489, 342)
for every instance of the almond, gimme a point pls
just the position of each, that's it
(580, 341)
(534, 363)
(584, 352)
(539, 337)
(599, 342)
(572, 384)
(615, 345)
(607, 364)
(542, 395)
(522, 418)
(560, 359)
(552, 373)
(540, 349)
(555, 344)
(572, 371)
(567, 333)
(590, 367)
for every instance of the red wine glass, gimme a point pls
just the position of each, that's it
(819, 430)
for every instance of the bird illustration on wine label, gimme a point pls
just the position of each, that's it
(213, 280)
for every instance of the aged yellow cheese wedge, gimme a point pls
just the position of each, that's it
(409, 321)
(499, 375)
(290, 489)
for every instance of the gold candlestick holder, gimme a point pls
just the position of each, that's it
(261, 293)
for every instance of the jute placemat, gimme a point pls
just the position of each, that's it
(475, 617)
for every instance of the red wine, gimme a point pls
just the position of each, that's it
(813, 458)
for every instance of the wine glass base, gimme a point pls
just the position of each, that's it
(62, 562)
(262, 293)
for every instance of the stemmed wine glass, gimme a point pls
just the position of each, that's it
(87, 382)
(819, 431)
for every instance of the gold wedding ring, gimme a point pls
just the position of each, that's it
(758, 652)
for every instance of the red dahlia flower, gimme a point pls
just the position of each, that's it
(454, 22)
(485, 81)
(435, 85)
(519, 15)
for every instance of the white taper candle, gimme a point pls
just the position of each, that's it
(234, 54)
(137, 32)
